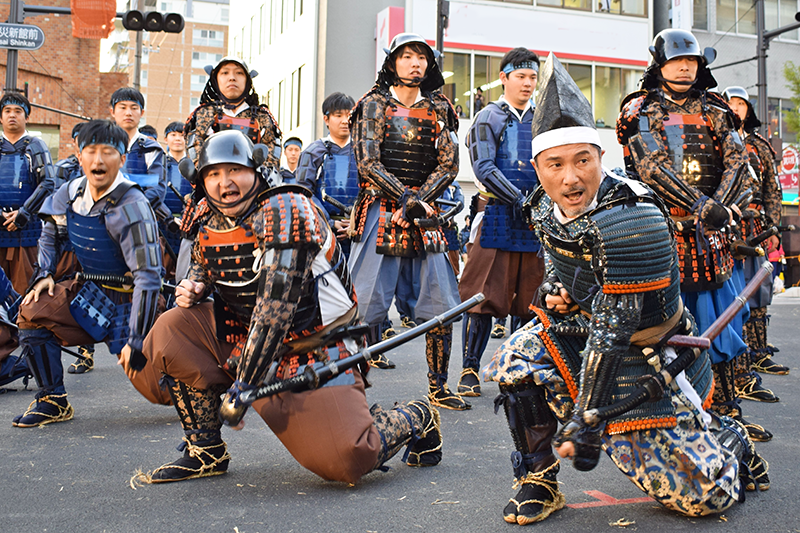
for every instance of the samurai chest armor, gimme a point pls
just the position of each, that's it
(408, 149)
(16, 185)
(340, 179)
(694, 150)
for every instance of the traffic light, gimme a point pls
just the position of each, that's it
(153, 21)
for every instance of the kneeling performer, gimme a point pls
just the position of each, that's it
(612, 276)
(280, 285)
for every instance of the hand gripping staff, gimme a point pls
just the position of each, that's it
(652, 387)
(314, 376)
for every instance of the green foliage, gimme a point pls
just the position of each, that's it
(792, 74)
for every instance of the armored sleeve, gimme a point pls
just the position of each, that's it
(307, 173)
(771, 193)
(196, 130)
(44, 173)
(368, 127)
(288, 254)
(54, 232)
(482, 143)
(270, 135)
(156, 166)
(734, 180)
(133, 225)
(447, 148)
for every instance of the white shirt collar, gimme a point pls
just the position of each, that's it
(394, 95)
(133, 140)
(83, 205)
(329, 139)
(514, 109)
(24, 134)
(564, 219)
(235, 112)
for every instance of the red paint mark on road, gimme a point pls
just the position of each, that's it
(606, 500)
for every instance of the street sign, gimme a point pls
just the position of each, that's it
(21, 36)
(789, 175)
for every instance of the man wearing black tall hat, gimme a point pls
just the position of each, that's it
(610, 299)
(681, 139)
(27, 178)
(404, 138)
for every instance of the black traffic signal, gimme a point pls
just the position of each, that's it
(153, 21)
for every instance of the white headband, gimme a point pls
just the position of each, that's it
(562, 136)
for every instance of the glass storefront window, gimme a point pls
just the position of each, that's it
(582, 75)
(788, 134)
(611, 85)
(700, 16)
(774, 111)
(456, 82)
(487, 79)
(584, 5)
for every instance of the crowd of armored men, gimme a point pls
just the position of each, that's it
(268, 261)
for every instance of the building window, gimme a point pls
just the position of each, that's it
(736, 16)
(636, 8)
(207, 38)
(465, 74)
(700, 15)
(199, 82)
(298, 94)
(611, 84)
(457, 83)
(194, 102)
(201, 59)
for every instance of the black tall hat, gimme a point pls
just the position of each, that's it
(563, 114)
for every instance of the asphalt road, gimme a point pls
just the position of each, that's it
(74, 476)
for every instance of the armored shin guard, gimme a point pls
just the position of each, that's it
(535, 466)
(756, 338)
(43, 355)
(205, 453)
(726, 403)
(438, 343)
(374, 336)
(416, 424)
(475, 337)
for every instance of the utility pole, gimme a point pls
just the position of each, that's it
(442, 17)
(15, 16)
(764, 37)
(137, 58)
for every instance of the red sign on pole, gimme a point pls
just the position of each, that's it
(789, 174)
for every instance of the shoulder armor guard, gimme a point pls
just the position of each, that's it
(759, 139)
(628, 121)
(441, 101)
(633, 245)
(290, 219)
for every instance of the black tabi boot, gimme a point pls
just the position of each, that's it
(535, 466)
(81, 366)
(475, 337)
(725, 402)
(373, 337)
(416, 424)
(42, 354)
(204, 452)
(438, 343)
(756, 337)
